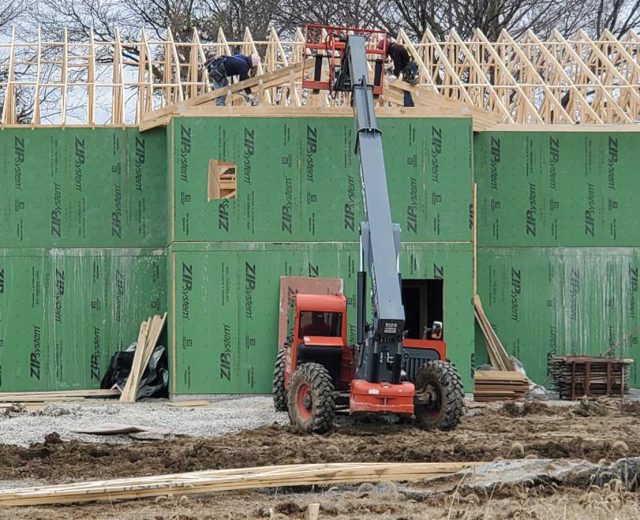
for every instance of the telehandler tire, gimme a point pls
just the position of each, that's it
(311, 399)
(279, 392)
(439, 402)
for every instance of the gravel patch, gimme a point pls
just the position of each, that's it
(223, 415)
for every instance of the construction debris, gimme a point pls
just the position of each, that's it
(577, 376)
(499, 385)
(228, 479)
(119, 429)
(147, 339)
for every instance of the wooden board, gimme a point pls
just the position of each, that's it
(137, 361)
(144, 350)
(230, 479)
(499, 375)
(481, 119)
(162, 116)
(58, 395)
(189, 404)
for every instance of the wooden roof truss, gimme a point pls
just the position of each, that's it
(528, 81)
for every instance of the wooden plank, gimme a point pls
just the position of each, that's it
(137, 361)
(153, 341)
(482, 119)
(189, 404)
(499, 375)
(223, 480)
(161, 116)
(56, 395)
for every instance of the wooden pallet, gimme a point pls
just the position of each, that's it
(576, 376)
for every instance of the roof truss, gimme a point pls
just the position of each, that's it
(528, 81)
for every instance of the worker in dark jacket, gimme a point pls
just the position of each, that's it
(222, 67)
(402, 64)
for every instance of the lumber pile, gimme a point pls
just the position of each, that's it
(577, 376)
(147, 339)
(57, 395)
(499, 385)
(228, 479)
(498, 356)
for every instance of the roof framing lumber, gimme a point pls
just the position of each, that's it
(524, 81)
(230, 479)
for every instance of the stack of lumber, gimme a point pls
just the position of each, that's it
(57, 395)
(500, 360)
(577, 376)
(147, 339)
(228, 479)
(499, 385)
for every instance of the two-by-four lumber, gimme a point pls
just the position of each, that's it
(229, 479)
(162, 116)
(56, 395)
(144, 349)
(498, 355)
(482, 119)
(137, 361)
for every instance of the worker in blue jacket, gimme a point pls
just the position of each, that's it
(222, 67)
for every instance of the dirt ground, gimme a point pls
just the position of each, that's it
(595, 433)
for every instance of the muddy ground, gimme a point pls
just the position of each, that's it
(604, 431)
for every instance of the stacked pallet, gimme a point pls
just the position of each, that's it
(577, 376)
(147, 339)
(499, 385)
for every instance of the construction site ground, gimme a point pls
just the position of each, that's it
(596, 431)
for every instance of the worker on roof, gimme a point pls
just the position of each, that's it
(221, 68)
(402, 65)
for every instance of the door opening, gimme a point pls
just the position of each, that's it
(423, 302)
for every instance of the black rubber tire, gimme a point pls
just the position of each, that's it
(279, 391)
(321, 408)
(447, 411)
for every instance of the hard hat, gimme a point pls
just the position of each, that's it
(255, 59)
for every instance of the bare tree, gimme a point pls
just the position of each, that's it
(490, 16)
(350, 13)
(9, 11)
(619, 16)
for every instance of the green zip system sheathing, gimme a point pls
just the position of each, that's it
(299, 179)
(224, 305)
(566, 189)
(560, 247)
(82, 250)
(64, 312)
(562, 301)
(297, 213)
(82, 187)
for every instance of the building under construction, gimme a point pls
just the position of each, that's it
(125, 191)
